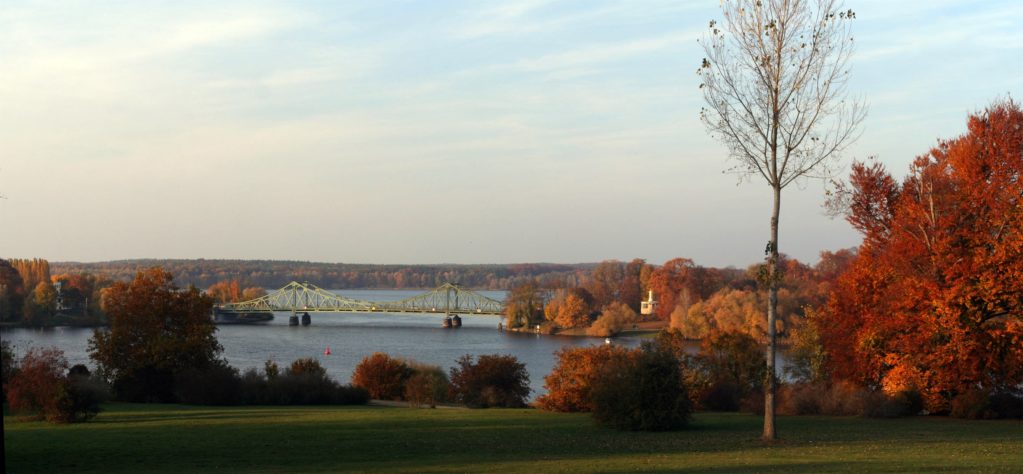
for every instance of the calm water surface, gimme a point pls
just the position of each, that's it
(352, 336)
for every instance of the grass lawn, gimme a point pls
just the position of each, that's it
(172, 438)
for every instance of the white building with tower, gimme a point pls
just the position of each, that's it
(647, 307)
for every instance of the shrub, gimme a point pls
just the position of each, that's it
(807, 357)
(798, 399)
(8, 365)
(844, 398)
(1006, 404)
(973, 404)
(218, 384)
(616, 316)
(492, 381)
(81, 398)
(382, 375)
(733, 368)
(428, 385)
(987, 404)
(41, 388)
(254, 388)
(38, 382)
(568, 385)
(304, 382)
(644, 390)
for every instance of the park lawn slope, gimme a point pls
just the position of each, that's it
(173, 438)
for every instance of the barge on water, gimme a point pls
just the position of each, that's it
(241, 317)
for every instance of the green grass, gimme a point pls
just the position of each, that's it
(171, 438)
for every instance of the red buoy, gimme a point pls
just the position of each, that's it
(327, 352)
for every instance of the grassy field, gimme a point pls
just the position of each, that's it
(171, 438)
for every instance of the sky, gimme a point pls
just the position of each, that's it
(433, 131)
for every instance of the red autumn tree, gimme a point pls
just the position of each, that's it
(568, 385)
(382, 376)
(680, 283)
(934, 299)
(156, 331)
(39, 381)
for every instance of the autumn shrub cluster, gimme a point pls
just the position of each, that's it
(383, 376)
(427, 386)
(569, 383)
(644, 391)
(844, 398)
(389, 378)
(616, 317)
(304, 382)
(728, 372)
(628, 389)
(492, 380)
(43, 387)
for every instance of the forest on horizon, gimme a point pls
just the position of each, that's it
(276, 273)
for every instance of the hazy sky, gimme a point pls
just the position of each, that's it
(431, 131)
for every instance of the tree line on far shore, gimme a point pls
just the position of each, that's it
(272, 274)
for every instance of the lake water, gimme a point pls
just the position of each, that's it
(352, 336)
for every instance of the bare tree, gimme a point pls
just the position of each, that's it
(774, 79)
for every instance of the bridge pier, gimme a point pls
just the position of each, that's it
(306, 319)
(452, 321)
(293, 320)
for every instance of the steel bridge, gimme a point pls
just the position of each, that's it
(308, 298)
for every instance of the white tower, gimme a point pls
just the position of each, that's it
(647, 307)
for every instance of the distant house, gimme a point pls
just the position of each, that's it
(647, 307)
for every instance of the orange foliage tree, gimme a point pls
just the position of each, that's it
(382, 376)
(568, 385)
(36, 386)
(679, 280)
(573, 312)
(934, 300)
(156, 331)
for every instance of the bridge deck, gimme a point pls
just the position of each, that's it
(305, 297)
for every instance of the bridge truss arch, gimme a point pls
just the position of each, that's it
(306, 297)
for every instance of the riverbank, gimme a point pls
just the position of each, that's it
(645, 329)
(133, 438)
(58, 321)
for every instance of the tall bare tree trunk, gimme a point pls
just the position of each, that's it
(773, 275)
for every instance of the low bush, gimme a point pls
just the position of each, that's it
(8, 366)
(382, 376)
(147, 384)
(644, 390)
(568, 384)
(218, 384)
(1007, 404)
(491, 381)
(40, 378)
(844, 398)
(81, 398)
(305, 382)
(41, 389)
(616, 316)
(730, 368)
(984, 404)
(428, 385)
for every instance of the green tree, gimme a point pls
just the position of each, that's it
(156, 331)
(524, 306)
(774, 80)
(491, 381)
